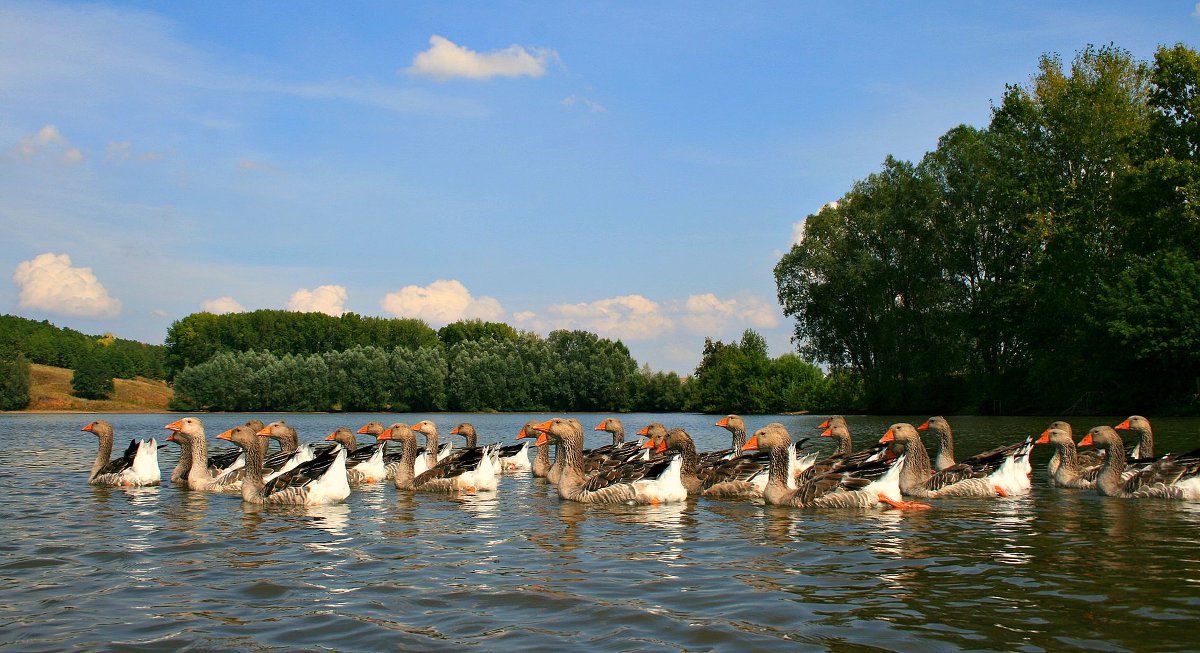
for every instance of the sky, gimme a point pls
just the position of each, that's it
(633, 169)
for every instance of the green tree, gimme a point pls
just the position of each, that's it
(92, 378)
(14, 382)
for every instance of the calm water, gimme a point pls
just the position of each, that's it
(167, 569)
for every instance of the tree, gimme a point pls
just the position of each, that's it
(14, 382)
(92, 378)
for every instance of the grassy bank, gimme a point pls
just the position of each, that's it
(50, 391)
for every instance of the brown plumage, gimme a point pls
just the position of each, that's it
(1168, 477)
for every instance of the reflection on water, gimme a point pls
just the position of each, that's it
(166, 568)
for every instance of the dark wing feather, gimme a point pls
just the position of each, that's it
(628, 472)
(462, 460)
(304, 473)
(124, 462)
(223, 458)
(362, 454)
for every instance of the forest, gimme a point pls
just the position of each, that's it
(1049, 262)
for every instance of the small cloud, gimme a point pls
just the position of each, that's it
(330, 300)
(49, 143)
(441, 302)
(629, 317)
(590, 105)
(709, 315)
(446, 60)
(49, 283)
(159, 314)
(798, 232)
(222, 305)
(521, 317)
(118, 152)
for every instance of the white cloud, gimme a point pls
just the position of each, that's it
(441, 302)
(49, 283)
(628, 317)
(798, 232)
(49, 143)
(446, 60)
(330, 300)
(707, 314)
(589, 104)
(222, 305)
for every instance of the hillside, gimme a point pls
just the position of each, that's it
(50, 390)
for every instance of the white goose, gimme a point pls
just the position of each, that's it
(138, 466)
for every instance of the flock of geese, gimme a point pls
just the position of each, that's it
(661, 466)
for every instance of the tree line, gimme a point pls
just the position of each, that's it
(567, 370)
(1047, 262)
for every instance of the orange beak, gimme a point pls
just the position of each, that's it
(177, 425)
(827, 433)
(600, 426)
(1123, 426)
(86, 428)
(1045, 439)
(227, 435)
(171, 438)
(1087, 440)
(724, 422)
(330, 436)
(649, 445)
(888, 437)
(752, 445)
(542, 440)
(362, 430)
(386, 435)
(266, 430)
(662, 446)
(824, 425)
(645, 431)
(522, 435)
(454, 431)
(544, 427)
(924, 426)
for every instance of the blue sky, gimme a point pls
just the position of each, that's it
(634, 169)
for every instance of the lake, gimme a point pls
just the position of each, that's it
(164, 569)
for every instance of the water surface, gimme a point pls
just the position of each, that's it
(165, 569)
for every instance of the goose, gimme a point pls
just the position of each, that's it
(865, 487)
(1145, 446)
(737, 430)
(231, 459)
(1065, 469)
(189, 433)
(364, 465)
(291, 453)
(843, 454)
(509, 458)
(1087, 459)
(1001, 471)
(540, 467)
(641, 482)
(390, 458)
(941, 429)
(467, 470)
(741, 477)
(433, 453)
(320, 481)
(137, 467)
(1169, 477)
